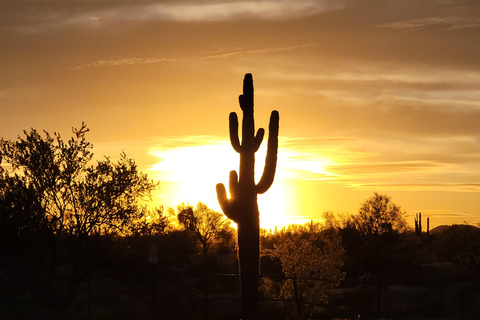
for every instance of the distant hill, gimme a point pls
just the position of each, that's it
(443, 228)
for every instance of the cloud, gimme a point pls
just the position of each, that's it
(439, 213)
(443, 164)
(40, 16)
(164, 143)
(386, 75)
(383, 167)
(122, 62)
(450, 23)
(226, 53)
(217, 54)
(270, 10)
(383, 100)
(451, 187)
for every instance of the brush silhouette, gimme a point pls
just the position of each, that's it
(242, 207)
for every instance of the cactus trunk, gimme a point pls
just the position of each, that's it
(242, 206)
(428, 226)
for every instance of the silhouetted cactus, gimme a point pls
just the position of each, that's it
(428, 226)
(242, 206)
(418, 223)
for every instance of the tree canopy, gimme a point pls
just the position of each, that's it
(208, 225)
(379, 215)
(311, 258)
(70, 195)
(54, 200)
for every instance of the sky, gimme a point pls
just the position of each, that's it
(373, 95)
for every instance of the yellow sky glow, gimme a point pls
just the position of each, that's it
(378, 96)
(194, 170)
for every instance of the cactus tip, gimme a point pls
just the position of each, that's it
(275, 116)
(248, 85)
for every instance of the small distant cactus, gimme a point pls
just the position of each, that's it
(428, 226)
(242, 207)
(418, 223)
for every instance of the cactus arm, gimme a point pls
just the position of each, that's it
(233, 184)
(271, 158)
(228, 205)
(233, 121)
(257, 141)
(222, 199)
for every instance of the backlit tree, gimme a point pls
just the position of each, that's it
(208, 225)
(52, 185)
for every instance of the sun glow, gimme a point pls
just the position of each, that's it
(189, 170)
(190, 167)
(190, 173)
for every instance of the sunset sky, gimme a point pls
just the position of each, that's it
(374, 96)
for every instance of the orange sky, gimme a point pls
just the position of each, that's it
(373, 95)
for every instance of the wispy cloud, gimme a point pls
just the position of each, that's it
(184, 157)
(370, 85)
(389, 75)
(383, 167)
(379, 185)
(444, 215)
(298, 158)
(217, 54)
(380, 100)
(446, 164)
(227, 53)
(122, 62)
(161, 143)
(37, 16)
(271, 10)
(450, 23)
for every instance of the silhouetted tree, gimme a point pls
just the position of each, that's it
(379, 215)
(371, 237)
(242, 207)
(186, 217)
(379, 222)
(355, 244)
(20, 220)
(208, 225)
(64, 196)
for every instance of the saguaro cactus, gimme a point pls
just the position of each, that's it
(428, 226)
(418, 223)
(242, 206)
